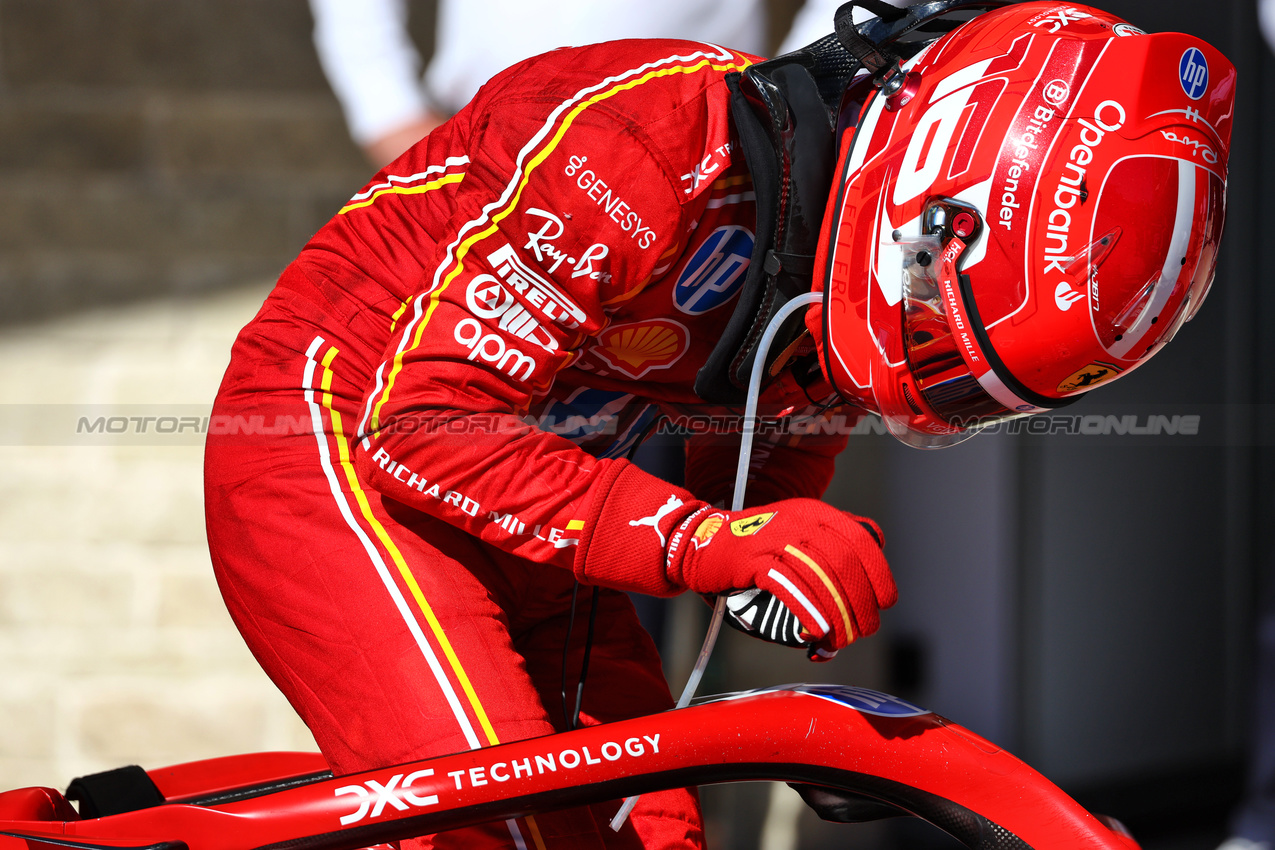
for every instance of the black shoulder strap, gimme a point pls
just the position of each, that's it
(881, 42)
(865, 51)
(785, 130)
(112, 792)
(893, 26)
(785, 113)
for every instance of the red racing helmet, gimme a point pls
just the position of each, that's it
(1031, 206)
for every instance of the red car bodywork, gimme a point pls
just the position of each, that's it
(849, 749)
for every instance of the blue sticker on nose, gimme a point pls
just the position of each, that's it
(1193, 73)
(864, 700)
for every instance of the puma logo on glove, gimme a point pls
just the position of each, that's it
(668, 507)
(821, 564)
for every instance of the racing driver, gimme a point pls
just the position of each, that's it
(997, 206)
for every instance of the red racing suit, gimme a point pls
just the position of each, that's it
(420, 423)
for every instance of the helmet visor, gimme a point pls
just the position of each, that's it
(934, 354)
(1162, 254)
(938, 344)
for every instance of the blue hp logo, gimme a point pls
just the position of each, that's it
(1193, 72)
(716, 271)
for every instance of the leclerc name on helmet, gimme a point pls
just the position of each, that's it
(1029, 208)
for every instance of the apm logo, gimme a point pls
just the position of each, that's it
(1193, 73)
(375, 797)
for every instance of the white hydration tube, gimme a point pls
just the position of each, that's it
(737, 504)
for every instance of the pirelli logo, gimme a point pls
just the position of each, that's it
(539, 292)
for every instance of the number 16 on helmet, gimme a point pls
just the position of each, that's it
(1036, 212)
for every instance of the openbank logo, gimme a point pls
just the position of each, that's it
(1193, 73)
(1065, 296)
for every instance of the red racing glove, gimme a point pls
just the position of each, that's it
(825, 565)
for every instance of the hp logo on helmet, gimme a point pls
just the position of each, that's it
(1193, 73)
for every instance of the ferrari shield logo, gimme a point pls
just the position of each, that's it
(750, 525)
(1091, 375)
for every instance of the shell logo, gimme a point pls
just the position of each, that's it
(639, 347)
(705, 530)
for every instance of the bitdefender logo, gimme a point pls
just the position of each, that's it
(1056, 92)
